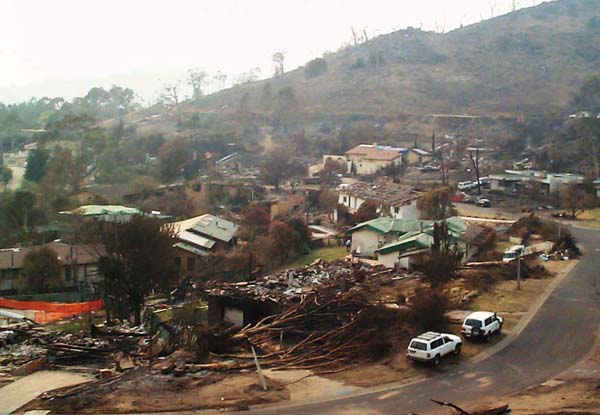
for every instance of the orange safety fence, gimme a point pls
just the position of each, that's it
(45, 312)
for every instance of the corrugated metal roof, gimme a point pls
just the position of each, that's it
(97, 210)
(215, 227)
(417, 239)
(190, 248)
(196, 239)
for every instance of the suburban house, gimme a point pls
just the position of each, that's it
(512, 180)
(366, 159)
(106, 213)
(417, 156)
(200, 236)
(80, 266)
(368, 237)
(412, 247)
(396, 200)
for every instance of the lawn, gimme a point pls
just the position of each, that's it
(593, 214)
(328, 253)
(590, 218)
(77, 323)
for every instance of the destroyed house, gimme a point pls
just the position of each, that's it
(393, 199)
(243, 303)
(239, 310)
(79, 263)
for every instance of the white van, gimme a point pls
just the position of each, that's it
(465, 185)
(513, 253)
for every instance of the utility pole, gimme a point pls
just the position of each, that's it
(518, 271)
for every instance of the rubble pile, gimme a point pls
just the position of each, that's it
(291, 285)
(327, 328)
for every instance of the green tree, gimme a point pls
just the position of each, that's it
(285, 108)
(279, 165)
(5, 174)
(255, 221)
(20, 208)
(64, 173)
(173, 156)
(574, 198)
(315, 68)
(436, 204)
(43, 271)
(36, 165)
(444, 257)
(300, 235)
(138, 258)
(366, 211)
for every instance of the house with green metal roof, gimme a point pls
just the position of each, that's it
(107, 213)
(370, 235)
(411, 248)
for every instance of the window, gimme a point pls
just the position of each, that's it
(418, 345)
(473, 323)
(436, 344)
(68, 273)
(447, 340)
(191, 262)
(488, 321)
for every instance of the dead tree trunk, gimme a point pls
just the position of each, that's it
(475, 161)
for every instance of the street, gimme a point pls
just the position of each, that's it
(561, 333)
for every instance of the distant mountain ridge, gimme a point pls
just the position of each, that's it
(531, 61)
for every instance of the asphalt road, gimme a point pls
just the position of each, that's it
(560, 334)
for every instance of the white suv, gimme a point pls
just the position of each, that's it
(431, 347)
(482, 324)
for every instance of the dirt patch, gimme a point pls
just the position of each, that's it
(573, 397)
(156, 393)
(303, 384)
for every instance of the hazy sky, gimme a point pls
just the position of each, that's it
(85, 41)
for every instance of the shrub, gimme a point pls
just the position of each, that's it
(428, 309)
(314, 68)
(358, 64)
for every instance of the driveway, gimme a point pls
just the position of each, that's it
(560, 334)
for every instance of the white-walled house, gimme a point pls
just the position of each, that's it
(394, 200)
(412, 248)
(366, 159)
(369, 236)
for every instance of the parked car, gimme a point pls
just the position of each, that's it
(431, 347)
(513, 253)
(483, 202)
(429, 168)
(465, 185)
(481, 324)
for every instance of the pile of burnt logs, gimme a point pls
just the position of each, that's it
(62, 353)
(320, 332)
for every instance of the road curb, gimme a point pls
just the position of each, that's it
(526, 319)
